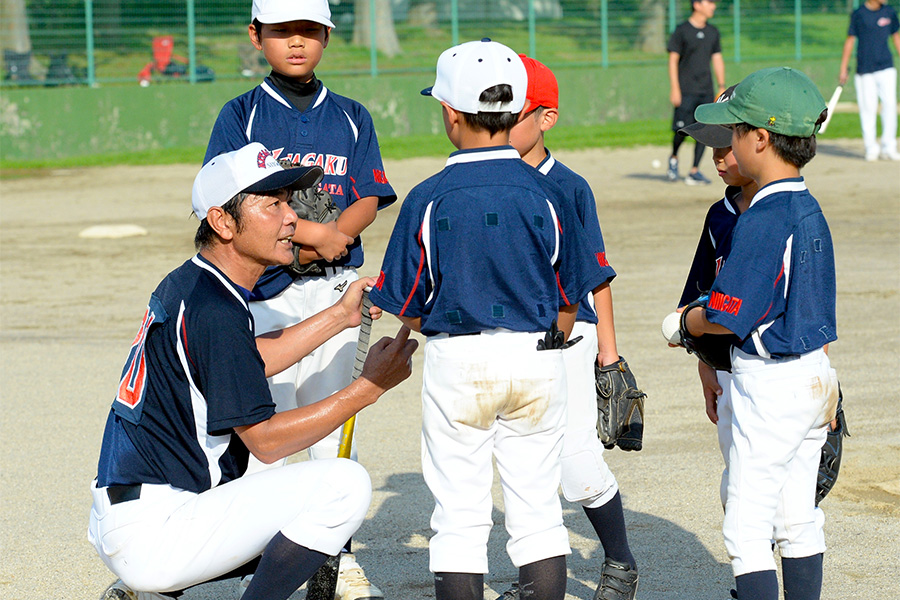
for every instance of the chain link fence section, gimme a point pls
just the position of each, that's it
(92, 42)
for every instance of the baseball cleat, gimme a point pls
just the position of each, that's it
(512, 593)
(696, 179)
(672, 171)
(618, 581)
(120, 591)
(886, 155)
(352, 583)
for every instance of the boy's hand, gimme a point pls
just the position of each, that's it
(320, 241)
(711, 390)
(333, 244)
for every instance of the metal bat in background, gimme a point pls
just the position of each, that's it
(832, 104)
(323, 583)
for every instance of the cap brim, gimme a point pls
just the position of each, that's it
(284, 17)
(714, 136)
(427, 91)
(717, 113)
(298, 178)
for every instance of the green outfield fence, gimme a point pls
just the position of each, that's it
(99, 42)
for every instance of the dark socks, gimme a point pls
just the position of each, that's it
(609, 523)
(759, 585)
(459, 586)
(802, 577)
(543, 579)
(283, 568)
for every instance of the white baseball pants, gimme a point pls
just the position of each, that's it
(780, 412)
(871, 87)
(326, 370)
(170, 539)
(485, 396)
(586, 478)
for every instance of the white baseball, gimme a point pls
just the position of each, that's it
(670, 326)
(656, 163)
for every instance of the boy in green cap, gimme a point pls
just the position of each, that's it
(776, 293)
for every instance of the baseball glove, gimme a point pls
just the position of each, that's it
(312, 204)
(621, 406)
(713, 349)
(830, 463)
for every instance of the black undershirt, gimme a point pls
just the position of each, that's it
(298, 93)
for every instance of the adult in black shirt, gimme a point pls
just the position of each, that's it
(692, 47)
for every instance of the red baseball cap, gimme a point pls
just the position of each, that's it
(542, 87)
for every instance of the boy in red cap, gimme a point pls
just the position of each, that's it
(586, 478)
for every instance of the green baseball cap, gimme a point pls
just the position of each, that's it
(779, 99)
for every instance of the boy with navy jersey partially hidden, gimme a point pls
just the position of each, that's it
(586, 478)
(776, 293)
(488, 261)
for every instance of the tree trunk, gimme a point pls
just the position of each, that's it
(652, 34)
(15, 26)
(386, 37)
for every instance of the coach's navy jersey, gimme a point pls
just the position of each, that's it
(486, 243)
(192, 375)
(713, 247)
(579, 192)
(334, 132)
(776, 291)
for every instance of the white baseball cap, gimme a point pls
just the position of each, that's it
(466, 70)
(252, 169)
(284, 11)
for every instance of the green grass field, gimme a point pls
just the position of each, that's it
(633, 133)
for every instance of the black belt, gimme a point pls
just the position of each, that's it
(123, 493)
(462, 334)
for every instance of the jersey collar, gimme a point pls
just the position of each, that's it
(483, 154)
(782, 185)
(242, 294)
(276, 95)
(546, 164)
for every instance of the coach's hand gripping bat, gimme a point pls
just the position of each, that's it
(323, 583)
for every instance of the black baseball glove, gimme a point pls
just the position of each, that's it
(311, 204)
(713, 349)
(830, 463)
(621, 406)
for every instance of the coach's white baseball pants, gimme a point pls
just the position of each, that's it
(488, 396)
(170, 539)
(871, 87)
(780, 411)
(586, 478)
(326, 370)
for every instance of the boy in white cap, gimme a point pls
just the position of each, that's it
(486, 260)
(300, 120)
(170, 506)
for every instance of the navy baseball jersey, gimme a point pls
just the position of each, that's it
(579, 192)
(333, 132)
(713, 247)
(486, 243)
(192, 375)
(872, 30)
(776, 291)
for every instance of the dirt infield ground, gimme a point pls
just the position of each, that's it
(70, 307)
